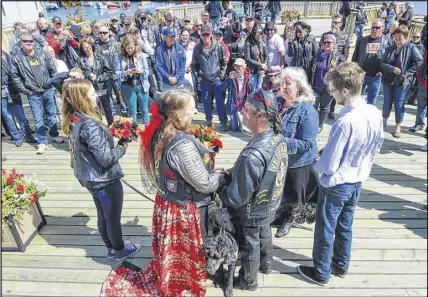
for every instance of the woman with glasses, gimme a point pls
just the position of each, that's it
(133, 71)
(302, 46)
(95, 68)
(399, 64)
(413, 92)
(327, 58)
(300, 128)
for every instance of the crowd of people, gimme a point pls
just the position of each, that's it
(279, 88)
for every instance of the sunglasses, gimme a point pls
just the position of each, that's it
(104, 33)
(376, 27)
(187, 21)
(269, 30)
(336, 23)
(27, 41)
(169, 21)
(127, 24)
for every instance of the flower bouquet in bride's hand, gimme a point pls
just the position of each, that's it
(126, 129)
(209, 137)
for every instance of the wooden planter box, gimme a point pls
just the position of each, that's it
(20, 233)
(286, 19)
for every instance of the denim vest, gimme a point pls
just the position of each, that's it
(300, 128)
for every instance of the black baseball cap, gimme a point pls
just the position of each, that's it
(56, 20)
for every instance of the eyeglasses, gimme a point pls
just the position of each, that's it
(169, 21)
(104, 33)
(127, 24)
(27, 41)
(376, 27)
(187, 21)
(270, 30)
(331, 91)
(206, 15)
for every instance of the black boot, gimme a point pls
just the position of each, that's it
(283, 230)
(266, 269)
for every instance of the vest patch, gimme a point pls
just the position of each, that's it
(171, 185)
(279, 165)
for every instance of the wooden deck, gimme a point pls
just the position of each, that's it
(389, 256)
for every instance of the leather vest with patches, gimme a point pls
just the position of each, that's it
(266, 200)
(171, 185)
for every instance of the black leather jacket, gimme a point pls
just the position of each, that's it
(23, 76)
(258, 179)
(209, 66)
(302, 51)
(6, 78)
(100, 68)
(360, 51)
(252, 53)
(93, 155)
(409, 62)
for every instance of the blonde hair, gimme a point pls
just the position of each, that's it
(347, 75)
(298, 75)
(76, 100)
(85, 30)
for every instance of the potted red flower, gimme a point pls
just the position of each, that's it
(22, 216)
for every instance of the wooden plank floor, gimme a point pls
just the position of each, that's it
(389, 256)
(389, 253)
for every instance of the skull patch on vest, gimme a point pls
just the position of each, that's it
(278, 164)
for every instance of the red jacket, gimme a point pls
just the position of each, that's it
(226, 50)
(54, 40)
(421, 75)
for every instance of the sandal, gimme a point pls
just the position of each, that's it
(396, 134)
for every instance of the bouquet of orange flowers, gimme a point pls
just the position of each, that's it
(126, 129)
(209, 137)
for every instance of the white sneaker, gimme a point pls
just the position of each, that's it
(41, 149)
(58, 139)
(424, 148)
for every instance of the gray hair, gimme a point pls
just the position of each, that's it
(379, 21)
(44, 20)
(299, 76)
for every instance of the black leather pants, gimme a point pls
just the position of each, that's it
(256, 248)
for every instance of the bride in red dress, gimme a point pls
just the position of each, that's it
(179, 166)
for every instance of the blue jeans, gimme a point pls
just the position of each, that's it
(396, 96)
(256, 82)
(359, 30)
(333, 228)
(7, 115)
(274, 16)
(215, 23)
(208, 87)
(17, 111)
(131, 95)
(373, 86)
(421, 112)
(41, 103)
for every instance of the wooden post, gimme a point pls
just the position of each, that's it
(306, 10)
(350, 24)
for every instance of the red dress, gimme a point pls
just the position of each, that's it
(178, 267)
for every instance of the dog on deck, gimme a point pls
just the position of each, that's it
(222, 249)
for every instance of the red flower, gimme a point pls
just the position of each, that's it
(3, 172)
(33, 198)
(75, 119)
(217, 142)
(10, 180)
(126, 134)
(20, 189)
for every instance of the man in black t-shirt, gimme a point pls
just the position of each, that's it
(368, 52)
